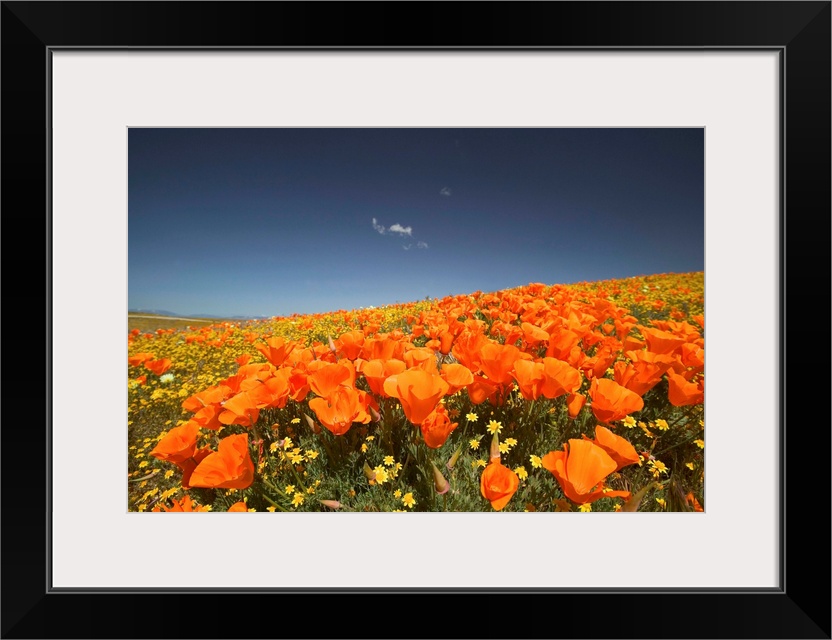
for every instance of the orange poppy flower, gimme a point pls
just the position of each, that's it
(376, 371)
(611, 401)
(341, 408)
(574, 403)
(579, 469)
(230, 467)
(420, 357)
(633, 344)
(238, 507)
(482, 389)
(273, 392)
(446, 342)
(596, 366)
(457, 376)
(381, 349)
(681, 393)
(349, 344)
(559, 378)
(208, 417)
(691, 500)
(139, 358)
(186, 504)
(618, 448)
(188, 465)
(325, 378)
(638, 378)
(231, 385)
(530, 378)
(276, 350)
(498, 484)
(532, 334)
(497, 361)
(661, 342)
(252, 374)
(561, 342)
(467, 348)
(437, 427)
(693, 356)
(211, 395)
(418, 391)
(158, 366)
(240, 409)
(178, 445)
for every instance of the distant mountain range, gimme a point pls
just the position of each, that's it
(154, 312)
(171, 314)
(211, 315)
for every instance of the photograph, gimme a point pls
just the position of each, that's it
(375, 260)
(414, 319)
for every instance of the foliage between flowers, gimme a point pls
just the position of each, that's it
(586, 397)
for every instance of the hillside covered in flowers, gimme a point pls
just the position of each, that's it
(582, 397)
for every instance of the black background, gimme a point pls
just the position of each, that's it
(799, 609)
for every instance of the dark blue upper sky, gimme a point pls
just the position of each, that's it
(280, 221)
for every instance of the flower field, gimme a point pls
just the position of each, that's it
(582, 397)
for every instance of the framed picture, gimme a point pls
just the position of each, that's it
(77, 76)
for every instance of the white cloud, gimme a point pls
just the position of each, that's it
(446, 191)
(406, 247)
(393, 228)
(421, 245)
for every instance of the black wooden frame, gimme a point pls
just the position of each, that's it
(799, 31)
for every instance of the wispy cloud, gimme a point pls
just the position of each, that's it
(393, 228)
(446, 191)
(400, 230)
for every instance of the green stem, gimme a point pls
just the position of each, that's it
(529, 412)
(274, 504)
(675, 422)
(406, 462)
(329, 453)
(564, 436)
(678, 444)
(297, 477)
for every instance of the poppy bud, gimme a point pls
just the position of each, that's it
(439, 482)
(369, 473)
(316, 428)
(574, 403)
(495, 448)
(332, 504)
(331, 344)
(375, 414)
(454, 458)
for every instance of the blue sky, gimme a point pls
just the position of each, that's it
(270, 222)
